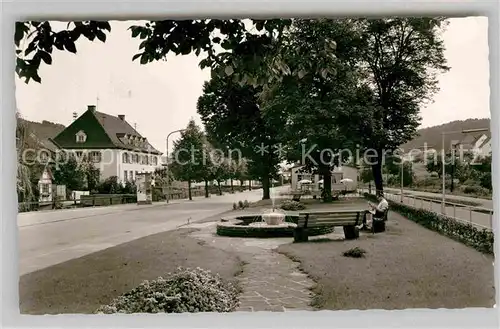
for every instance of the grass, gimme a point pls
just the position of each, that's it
(408, 266)
(81, 285)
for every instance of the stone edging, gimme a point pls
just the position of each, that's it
(231, 226)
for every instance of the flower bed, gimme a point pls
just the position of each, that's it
(479, 239)
(187, 290)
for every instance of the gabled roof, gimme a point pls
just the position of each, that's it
(117, 128)
(486, 140)
(103, 131)
(470, 140)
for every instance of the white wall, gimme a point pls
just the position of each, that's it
(112, 163)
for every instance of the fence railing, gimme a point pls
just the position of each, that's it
(480, 217)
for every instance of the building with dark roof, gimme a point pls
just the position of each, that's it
(115, 147)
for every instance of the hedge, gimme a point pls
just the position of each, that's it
(479, 239)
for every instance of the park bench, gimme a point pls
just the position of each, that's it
(348, 219)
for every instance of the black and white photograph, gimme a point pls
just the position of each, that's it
(254, 165)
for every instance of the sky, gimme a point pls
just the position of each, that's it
(161, 97)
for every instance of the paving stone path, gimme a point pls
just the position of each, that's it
(270, 281)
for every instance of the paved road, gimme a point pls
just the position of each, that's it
(50, 237)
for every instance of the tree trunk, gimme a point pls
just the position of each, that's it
(206, 189)
(232, 186)
(327, 185)
(377, 175)
(220, 188)
(189, 190)
(266, 188)
(249, 184)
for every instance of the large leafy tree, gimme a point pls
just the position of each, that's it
(214, 40)
(189, 159)
(70, 172)
(324, 108)
(232, 117)
(250, 51)
(401, 58)
(35, 43)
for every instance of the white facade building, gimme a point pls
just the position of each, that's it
(113, 145)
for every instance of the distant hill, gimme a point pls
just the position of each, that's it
(41, 133)
(432, 135)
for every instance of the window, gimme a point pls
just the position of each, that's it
(131, 173)
(95, 156)
(125, 176)
(79, 154)
(45, 188)
(147, 159)
(125, 158)
(155, 160)
(81, 137)
(44, 156)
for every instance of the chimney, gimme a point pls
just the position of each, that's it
(121, 117)
(91, 107)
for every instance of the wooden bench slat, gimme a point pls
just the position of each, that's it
(331, 224)
(329, 217)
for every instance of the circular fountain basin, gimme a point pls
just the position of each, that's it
(273, 218)
(255, 226)
(264, 225)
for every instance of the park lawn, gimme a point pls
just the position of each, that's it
(408, 266)
(81, 285)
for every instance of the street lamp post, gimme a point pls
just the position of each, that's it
(443, 168)
(167, 165)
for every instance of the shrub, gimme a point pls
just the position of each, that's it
(485, 181)
(240, 204)
(187, 290)
(477, 190)
(235, 206)
(479, 239)
(292, 205)
(129, 188)
(246, 204)
(110, 186)
(355, 252)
